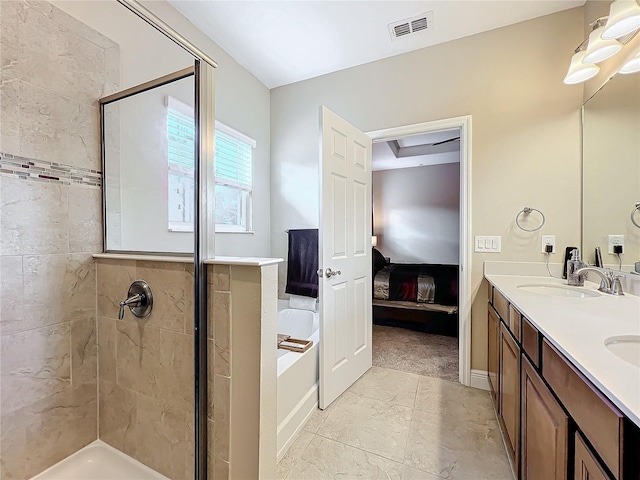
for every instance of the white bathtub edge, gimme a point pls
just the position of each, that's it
(300, 415)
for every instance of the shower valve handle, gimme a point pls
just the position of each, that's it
(134, 301)
(139, 300)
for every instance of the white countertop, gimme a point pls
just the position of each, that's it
(578, 328)
(248, 261)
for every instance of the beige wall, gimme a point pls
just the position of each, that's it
(54, 69)
(241, 100)
(526, 133)
(416, 213)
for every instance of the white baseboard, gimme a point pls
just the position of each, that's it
(479, 379)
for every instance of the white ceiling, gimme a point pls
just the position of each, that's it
(283, 42)
(383, 158)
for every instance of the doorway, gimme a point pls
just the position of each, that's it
(442, 133)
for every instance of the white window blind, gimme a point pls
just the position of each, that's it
(233, 160)
(180, 154)
(234, 179)
(233, 172)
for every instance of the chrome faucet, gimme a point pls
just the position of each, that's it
(609, 283)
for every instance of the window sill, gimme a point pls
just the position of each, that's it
(242, 232)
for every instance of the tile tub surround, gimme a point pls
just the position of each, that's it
(146, 365)
(53, 70)
(403, 426)
(578, 327)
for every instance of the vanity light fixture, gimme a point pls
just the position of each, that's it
(578, 70)
(632, 66)
(599, 49)
(624, 18)
(621, 26)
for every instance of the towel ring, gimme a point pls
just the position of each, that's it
(633, 212)
(527, 211)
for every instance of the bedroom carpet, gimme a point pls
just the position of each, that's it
(415, 352)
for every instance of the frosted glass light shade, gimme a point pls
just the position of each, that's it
(632, 66)
(624, 18)
(600, 49)
(578, 71)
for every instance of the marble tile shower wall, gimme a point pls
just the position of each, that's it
(145, 367)
(53, 70)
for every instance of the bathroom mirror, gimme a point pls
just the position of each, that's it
(611, 171)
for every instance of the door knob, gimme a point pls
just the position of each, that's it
(330, 273)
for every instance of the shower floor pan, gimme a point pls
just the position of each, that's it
(99, 461)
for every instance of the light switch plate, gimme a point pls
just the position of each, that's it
(491, 244)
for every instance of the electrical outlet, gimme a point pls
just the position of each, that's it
(549, 240)
(615, 240)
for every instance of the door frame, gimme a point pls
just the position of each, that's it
(464, 289)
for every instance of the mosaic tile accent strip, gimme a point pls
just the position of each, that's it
(50, 172)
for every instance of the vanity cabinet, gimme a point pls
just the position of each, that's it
(545, 430)
(504, 371)
(586, 465)
(509, 393)
(555, 423)
(493, 353)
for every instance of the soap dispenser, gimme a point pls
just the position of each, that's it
(574, 265)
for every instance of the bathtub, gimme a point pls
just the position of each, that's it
(297, 374)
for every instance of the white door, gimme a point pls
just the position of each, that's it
(345, 256)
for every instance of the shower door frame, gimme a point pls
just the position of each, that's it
(204, 201)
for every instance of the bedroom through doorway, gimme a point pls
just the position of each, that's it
(416, 258)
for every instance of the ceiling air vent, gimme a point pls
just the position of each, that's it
(411, 25)
(402, 29)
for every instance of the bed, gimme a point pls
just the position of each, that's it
(415, 293)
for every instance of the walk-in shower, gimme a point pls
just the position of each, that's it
(95, 195)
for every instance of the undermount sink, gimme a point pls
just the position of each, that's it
(550, 290)
(626, 347)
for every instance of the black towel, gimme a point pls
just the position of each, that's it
(302, 267)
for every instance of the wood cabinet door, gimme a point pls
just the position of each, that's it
(545, 430)
(493, 349)
(509, 393)
(586, 466)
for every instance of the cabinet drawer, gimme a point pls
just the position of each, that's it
(501, 305)
(600, 421)
(490, 293)
(514, 322)
(531, 341)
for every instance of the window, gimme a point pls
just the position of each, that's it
(181, 134)
(233, 172)
(234, 162)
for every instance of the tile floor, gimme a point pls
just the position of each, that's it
(397, 425)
